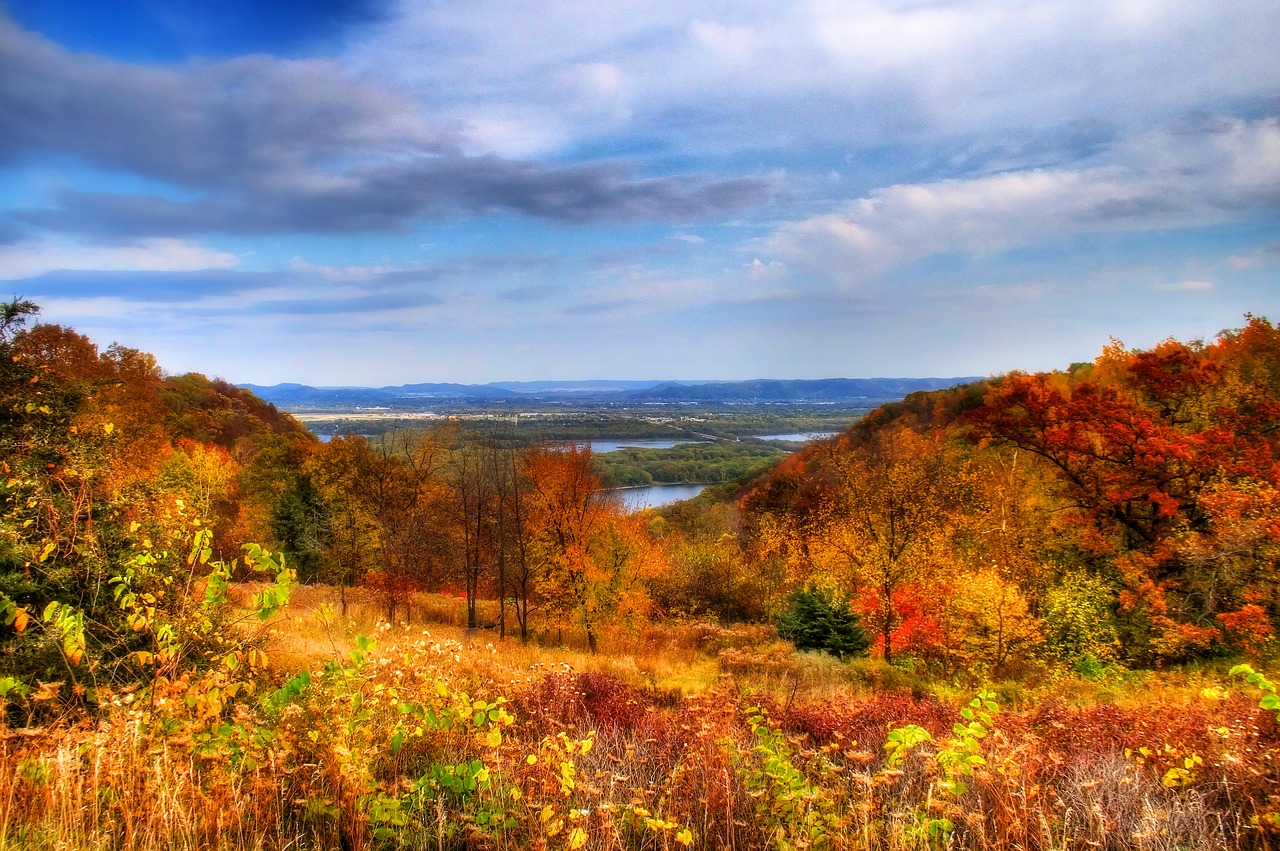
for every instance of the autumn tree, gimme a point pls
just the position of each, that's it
(1148, 448)
(897, 499)
(593, 561)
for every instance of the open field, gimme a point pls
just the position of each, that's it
(425, 735)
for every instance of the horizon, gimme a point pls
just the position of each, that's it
(651, 381)
(357, 193)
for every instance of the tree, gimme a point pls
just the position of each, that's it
(815, 620)
(895, 503)
(593, 561)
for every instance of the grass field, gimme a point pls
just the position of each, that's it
(344, 732)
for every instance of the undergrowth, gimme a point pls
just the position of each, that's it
(411, 737)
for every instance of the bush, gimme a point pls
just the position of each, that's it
(815, 620)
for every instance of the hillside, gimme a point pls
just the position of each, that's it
(1145, 482)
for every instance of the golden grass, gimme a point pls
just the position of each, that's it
(667, 708)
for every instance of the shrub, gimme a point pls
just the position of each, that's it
(815, 620)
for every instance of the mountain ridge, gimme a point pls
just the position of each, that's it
(757, 390)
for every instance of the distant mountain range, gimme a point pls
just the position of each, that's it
(417, 396)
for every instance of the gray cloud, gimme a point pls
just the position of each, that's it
(164, 287)
(289, 146)
(386, 200)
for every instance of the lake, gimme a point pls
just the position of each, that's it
(798, 437)
(635, 499)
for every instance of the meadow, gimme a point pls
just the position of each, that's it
(324, 730)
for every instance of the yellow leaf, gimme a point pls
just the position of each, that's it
(547, 813)
(685, 837)
(108, 427)
(577, 838)
(532, 759)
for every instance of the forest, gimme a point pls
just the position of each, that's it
(1031, 612)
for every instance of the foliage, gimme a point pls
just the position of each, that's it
(1078, 618)
(814, 620)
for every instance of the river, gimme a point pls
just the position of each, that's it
(635, 499)
(797, 437)
(601, 447)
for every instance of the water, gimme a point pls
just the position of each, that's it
(635, 499)
(602, 447)
(798, 437)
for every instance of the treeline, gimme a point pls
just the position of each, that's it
(109, 469)
(123, 490)
(1124, 511)
(458, 510)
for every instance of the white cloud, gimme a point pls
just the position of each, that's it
(30, 259)
(527, 78)
(1184, 287)
(1155, 180)
(339, 273)
(691, 238)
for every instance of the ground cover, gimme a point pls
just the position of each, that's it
(341, 731)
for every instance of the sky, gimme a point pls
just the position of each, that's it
(377, 192)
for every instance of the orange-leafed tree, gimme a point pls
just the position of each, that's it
(594, 561)
(895, 504)
(1145, 447)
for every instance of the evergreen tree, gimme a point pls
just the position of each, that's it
(815, 620)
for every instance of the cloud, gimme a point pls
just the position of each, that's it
(852, 75)
(1157, 180)
(31, 259)
(388, 199)
(167, 288)
(1264, 256)
(266, 146)
(1184, 287)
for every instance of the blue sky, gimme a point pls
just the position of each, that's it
(340, 192)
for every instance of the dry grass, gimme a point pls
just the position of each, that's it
(668, 713)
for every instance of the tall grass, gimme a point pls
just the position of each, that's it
(684, 736)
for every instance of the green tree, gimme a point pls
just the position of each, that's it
(816, 620)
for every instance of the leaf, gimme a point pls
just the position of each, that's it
(577, 838)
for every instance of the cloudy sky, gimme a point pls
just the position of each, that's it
(377, 192)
